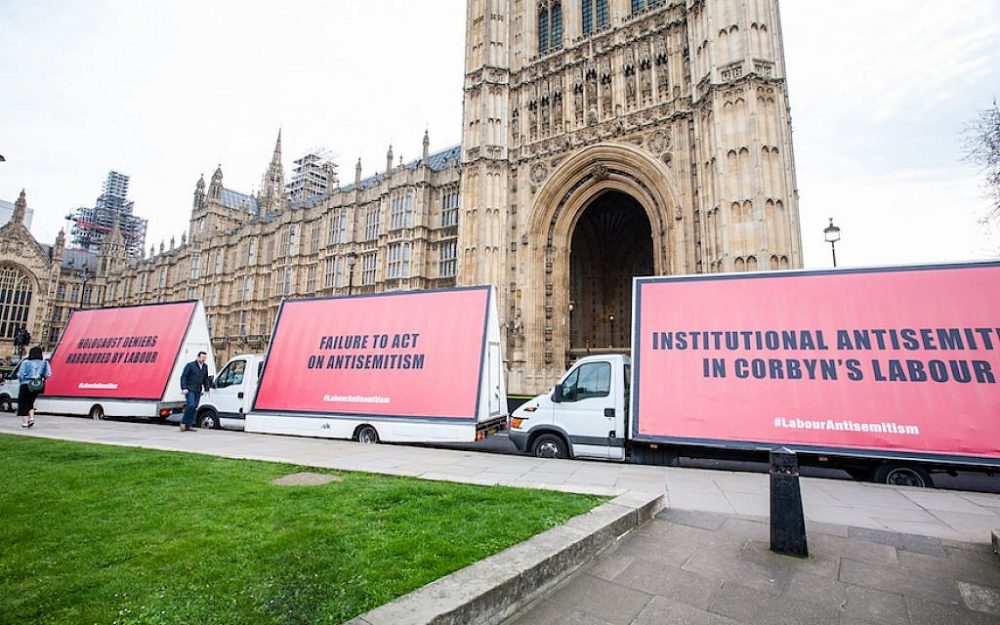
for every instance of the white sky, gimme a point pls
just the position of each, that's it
(163, 91)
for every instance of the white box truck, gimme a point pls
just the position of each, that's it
(888, 373)
(125, 361)
(226, 406)
(418, 366)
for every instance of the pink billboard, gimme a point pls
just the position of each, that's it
(901, 360)
(119, 353)
(415, 354)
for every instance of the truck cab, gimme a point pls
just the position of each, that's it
(233, 390)
(585, 415)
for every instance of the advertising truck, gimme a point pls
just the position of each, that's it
(418, 366)
(888, 373)
(125, 361)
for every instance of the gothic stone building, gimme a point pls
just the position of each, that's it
(601, 139)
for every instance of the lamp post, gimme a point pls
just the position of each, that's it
(352, 258)
(85, 276)
(832, 234)
(611, 318)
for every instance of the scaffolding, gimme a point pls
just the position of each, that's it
(314, 175)
(92, 224)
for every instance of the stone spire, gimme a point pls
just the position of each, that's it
(427, 147)
(199, 193)
(215, 189)
(388, 160)
(357, 174)
(20, 206)
(272, 187)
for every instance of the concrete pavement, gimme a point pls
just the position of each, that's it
(878, 554)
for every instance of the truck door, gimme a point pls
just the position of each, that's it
(229, 395)
(587, 410)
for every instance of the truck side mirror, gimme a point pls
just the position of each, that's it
(557, 393)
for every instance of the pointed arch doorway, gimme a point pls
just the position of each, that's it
(612, 242)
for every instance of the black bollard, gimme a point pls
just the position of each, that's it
(788, 523)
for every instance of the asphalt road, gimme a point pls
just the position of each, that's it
(965, 481)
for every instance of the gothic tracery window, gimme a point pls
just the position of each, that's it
(595, 15)
(15, 300)
(639, 5)
(550, 25)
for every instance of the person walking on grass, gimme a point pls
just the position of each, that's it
(194, 379)
(31, 375)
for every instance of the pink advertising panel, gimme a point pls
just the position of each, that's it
(119, 353)
(904, 360)
(416, 354)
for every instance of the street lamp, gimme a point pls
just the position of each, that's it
(352, 258)
(83, 288)
(832, 234)
(611, 318)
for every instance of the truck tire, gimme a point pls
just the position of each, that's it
(209, 420)
(550, 446)
(900, 474)
(366, 435)
(6, 403)
(97, 413)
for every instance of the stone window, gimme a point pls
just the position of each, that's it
(243, 323)
(399, 261)
(329, 268)
(641, 5)
(449, 259)
(401, 215)
(595, 15)
(314, 239)
(195, 266)
(220, 260)
(449, 207)
(372, 223)
(311, 279)
(369, 262)
(549, 25)
(248, 288)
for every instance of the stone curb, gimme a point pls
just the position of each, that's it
(491, 590)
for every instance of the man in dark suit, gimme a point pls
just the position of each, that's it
(194, 379)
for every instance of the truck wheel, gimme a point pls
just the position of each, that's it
(550, 446)
(367, 435)
(97, 413)
(6, 404)
(209, 420)
(903, 475)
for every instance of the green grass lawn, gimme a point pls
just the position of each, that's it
(91, 534)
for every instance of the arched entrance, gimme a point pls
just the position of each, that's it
(612, 242)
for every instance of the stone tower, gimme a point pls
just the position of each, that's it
(272, 186)
(607, 139)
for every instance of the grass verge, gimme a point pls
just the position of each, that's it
(92, 534)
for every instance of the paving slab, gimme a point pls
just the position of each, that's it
(701, 571)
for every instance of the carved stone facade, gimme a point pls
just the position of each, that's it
(657, 143)
(653, 141)
(40, 285)
(393, 231)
